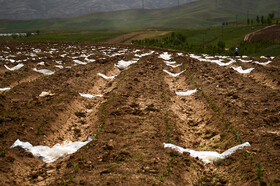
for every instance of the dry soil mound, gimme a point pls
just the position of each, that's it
(270, 33)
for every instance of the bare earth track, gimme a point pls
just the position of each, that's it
(139, 111)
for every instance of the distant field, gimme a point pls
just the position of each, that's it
(138, 35)
(220, 40)
(200, 14)
(67, 36)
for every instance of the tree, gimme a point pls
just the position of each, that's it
(258, 19)
(221, 46)
(38, 32)
(271, 15)
(262, 20)
(252, 21)
(28, 34)
(14, 36)
(269, 21)
(248, 21)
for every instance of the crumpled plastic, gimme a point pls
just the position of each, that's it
(208, 59)
(4, 89)
(45, 94)
(44, 71)
(187, 93)
(79, 62)
(106, 77)
(241, 71)
(165, 56)
(17, 67)
(90, 96)
(208, 157)
(49, 155)
(124, 64)
(172, 74)
(173, 66)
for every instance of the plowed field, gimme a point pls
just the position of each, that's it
(138, 112)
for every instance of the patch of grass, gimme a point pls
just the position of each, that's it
(119, 82)
(3, 153)
(69, 92)
(103, 116)
(9, 115)
(59, 100)
(167, 128)
(138, 156)
(86, 148)
(15, 89)
(67, 35)
(108, 166)
(237, 136)
(64, 183)
(93, 78)
(260, 173)
(76, 167)
(168, 171)
(161, 178)
(41, 125)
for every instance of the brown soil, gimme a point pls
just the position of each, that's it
(137, 114)
(270, 33)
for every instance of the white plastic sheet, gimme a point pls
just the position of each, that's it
(240, 70)
(165, 56)
(187, 93)
(206, 157)
(172, 74)
(106, 77)
(90, 96)
(89, 60)
(210, 59)
(49, 155)
(44, 71)
(45, 94)
(173, 66)
(19, 66)
(264, 63)
(170, 62)
(245, 61)
(79, 62)
(124, 64)
(12, 60)
(59, 66)
(4, 89)
(41, 63)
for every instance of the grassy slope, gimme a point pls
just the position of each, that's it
(60, 35)
(203, 13)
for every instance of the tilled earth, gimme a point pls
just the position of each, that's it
(139, 111)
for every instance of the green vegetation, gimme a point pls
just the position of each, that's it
(76, 167)
(260, 173)
(3, 153)
(167, 128)
(41, 125)
(63, 35)
(220, 40)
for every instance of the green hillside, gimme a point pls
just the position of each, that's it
(203, 13)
